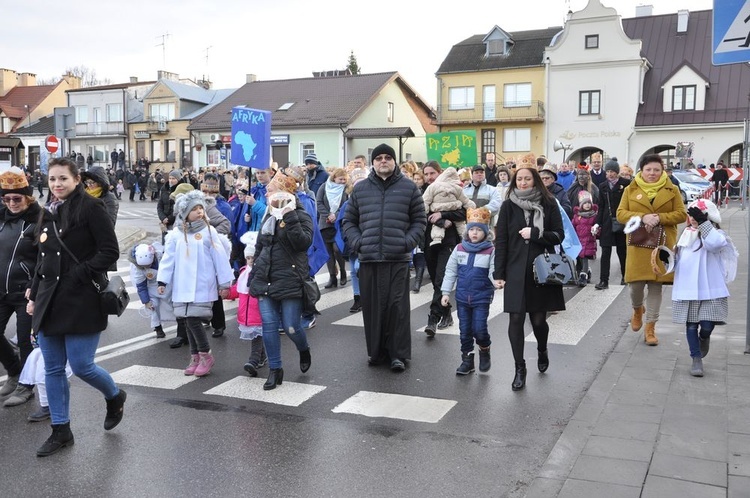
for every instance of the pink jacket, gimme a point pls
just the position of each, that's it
(248, 313)
(583, 230)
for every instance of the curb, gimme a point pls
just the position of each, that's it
(130, 239)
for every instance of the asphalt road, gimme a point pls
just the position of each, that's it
(342, 429)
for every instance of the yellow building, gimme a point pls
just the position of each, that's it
(495, 84)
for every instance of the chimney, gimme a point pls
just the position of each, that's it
(644, 10)
(73, 82)
(251, 78)
(8, 81)
(682, 20)
(166, 75)
(27, 79)
(134, 79)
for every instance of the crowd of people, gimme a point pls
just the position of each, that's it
(261, 236)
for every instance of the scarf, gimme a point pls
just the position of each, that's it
(587, 214)
(651, 189)
(94, 192)
(474, 248)
(531, 203)
(334, 194)
(53, 206)
(689, 235)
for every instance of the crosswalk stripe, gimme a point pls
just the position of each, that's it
(157, 377)
(249, 388)
(399, 406)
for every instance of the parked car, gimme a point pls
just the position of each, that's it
(692, 185)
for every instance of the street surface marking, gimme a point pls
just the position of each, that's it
(251, 388)
(413, 408)
(158, 377)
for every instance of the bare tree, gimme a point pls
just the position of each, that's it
(87, 75)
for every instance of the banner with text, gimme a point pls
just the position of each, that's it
(456, 149)
(251, 137)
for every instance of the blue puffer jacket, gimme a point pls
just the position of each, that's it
(472, 274)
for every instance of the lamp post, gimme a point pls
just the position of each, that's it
(28, 113)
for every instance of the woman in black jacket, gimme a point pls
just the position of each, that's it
(97, 185)
(77, 243)
(280, 265)
(18, 254)
(529, 223)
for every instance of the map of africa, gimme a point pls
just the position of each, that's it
(247, 143)
(452, 158)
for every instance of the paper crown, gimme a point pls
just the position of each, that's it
(478, 215)
(527, 161)
(14, 180)
(298, 173)
(210, 184)
(357, 174)
(284, 182)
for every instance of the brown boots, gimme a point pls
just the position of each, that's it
(650, 335)
(636, 322)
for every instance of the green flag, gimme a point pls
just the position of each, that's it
(456, 149)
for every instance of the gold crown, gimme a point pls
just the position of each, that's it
(527, 161)
(478, 215)
(285, 183)
(12, 180)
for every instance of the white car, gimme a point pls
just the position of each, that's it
(692, 185)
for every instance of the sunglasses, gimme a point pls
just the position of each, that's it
(14, 199)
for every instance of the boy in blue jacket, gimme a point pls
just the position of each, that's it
(470, 268)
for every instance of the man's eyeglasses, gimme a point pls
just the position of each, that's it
(13, 199)
(384, 157)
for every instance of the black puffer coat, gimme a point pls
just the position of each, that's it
(18, 252)
(385, 219)
(281, 259)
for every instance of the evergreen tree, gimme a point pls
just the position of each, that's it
(352, 64)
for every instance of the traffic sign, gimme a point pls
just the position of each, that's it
(52, 144)
(731, 32)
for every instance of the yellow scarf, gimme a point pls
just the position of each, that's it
(94, 192)
(651, 189)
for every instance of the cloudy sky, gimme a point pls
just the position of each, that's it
(273, 39)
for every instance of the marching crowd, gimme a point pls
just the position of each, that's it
(261, 236)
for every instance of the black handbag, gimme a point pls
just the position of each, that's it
(555, 269)
(617, 227)
(310, 289)
(113, 294)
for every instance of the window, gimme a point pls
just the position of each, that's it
(170, 149)
(683, 98)
(82, 114)
(517, 95)
(390, 112)
(461, 98)
(5, 125)
(588, 102)
(496, 47)
(185, 157)
(114, 113)
(214, 157)
(516, 139)
(155, 150)
(286, 106)
(488, 141)
(162, 112)
(592, 41)
(306, 149)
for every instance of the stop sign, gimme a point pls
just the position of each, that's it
(52, 144)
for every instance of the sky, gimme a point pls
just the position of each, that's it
(279, 39)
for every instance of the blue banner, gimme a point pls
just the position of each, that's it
(251, 137)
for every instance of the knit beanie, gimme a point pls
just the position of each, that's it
(311, 159)
(382, 149)
(186, 202)
(584, 197)
(176, 174)
(14, 181)
(612, 165)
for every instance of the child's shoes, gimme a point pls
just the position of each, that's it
(194, 362)
(204, 365)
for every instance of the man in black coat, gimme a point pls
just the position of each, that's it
(383, 223)
(611, 234)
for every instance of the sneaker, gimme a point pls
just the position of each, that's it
(582, 279)
(40, 415)
(218, 332)
(308, 323)
(21, 395)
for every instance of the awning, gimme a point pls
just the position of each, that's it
(404, 132)
(9, 142)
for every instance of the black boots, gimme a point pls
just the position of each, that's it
(542, 361)
(115, 409)
(304, 360)
(356, 306)
(159, 332)
(467, 364)
(418, 276)
(602, 285)
(447, 320)
(275, 378)
(431, 327)
(257, 357)
(332, 283)
(519, 381)
(484, 359)
(342, 281)
(60, 438)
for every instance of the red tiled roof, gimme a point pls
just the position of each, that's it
(12, 104)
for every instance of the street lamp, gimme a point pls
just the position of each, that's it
(28, 113)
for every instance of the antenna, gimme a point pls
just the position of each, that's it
(163, 46)
(207, 49)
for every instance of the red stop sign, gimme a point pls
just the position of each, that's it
(52, 143)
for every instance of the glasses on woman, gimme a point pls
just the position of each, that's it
(13, 199)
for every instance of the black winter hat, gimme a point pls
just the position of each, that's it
(382, 149)
(612, 165)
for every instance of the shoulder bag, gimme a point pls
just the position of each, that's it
(113, 295)
(617, 227)
(555, 269)
(310, 289)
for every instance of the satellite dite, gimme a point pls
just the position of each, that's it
(731, 31)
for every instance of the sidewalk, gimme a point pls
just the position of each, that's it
(127, 236)
(647, 429)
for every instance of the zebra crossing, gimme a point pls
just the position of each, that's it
(138, 210)
(583, 309)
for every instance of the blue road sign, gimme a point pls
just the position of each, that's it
(251, 137)
(731, 32)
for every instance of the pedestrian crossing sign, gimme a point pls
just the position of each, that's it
(731, 32)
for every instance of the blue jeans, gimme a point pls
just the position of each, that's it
(286, 314)
(79, 350)
(472, 324)
(354, 274)
(692, 336)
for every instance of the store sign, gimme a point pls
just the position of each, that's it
(279, 139)
(6, 149)
(141, 134)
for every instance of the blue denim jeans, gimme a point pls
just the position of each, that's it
(692, 336)
(472, 324)
(79, 350)
(286, 314)
(354, 274)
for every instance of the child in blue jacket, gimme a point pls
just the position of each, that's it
(470, 268)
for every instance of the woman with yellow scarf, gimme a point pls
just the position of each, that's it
(96, 182)
(652, 197)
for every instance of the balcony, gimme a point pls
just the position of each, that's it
(157, 124)
(496, 112)
(112, 128)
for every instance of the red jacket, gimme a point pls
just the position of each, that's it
(583, 230)
(248, 313)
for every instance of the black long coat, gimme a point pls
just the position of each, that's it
(514, 258)
(65, 300)
(609, 200)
